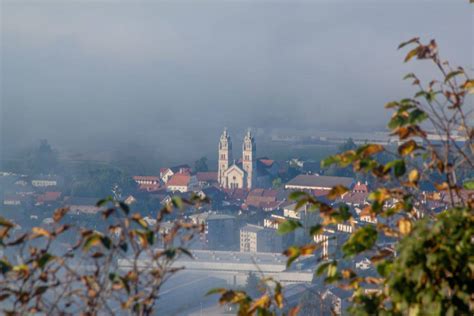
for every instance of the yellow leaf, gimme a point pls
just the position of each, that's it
(441, 186)
(347, 273)
(279, 299)
(469, 86)
(404, 225)
(371, 149)
(262, 302)
(38, 232)
(59, 213)
(336, 192)
(308, 249)
(414, 176)
(407, 147)
(412, 53)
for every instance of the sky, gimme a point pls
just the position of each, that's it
(170, 75)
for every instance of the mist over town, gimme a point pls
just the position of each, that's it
(247, 141)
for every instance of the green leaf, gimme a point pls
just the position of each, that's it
(323, 267)
(44, 259)
(92, 240)
(453, 74)
(469, 184)
(296, 195)
(103, 202)
(417, 116)
(317, 229)
(5, 266)
(186, 252)
(288, 226)
(170, 253)
(150, 237)
(292, 253)
(398, 167)
(413, 40)
(177, 202)
(123, 246)
(216, 291)
(410, 75)
(124, 207)
(362, 239)
(327, 162)
(106, 241)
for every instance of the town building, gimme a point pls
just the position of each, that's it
(221, 230)
(182, 182)
(248, 172)
(255, 238)
(241, 175)
(206, 179)
(82, 205)
(45, 181)
(167, 173)
(316, 182)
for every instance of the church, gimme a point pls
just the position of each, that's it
(246, 173)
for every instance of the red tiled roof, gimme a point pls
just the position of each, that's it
(360, 187)
(258, 197)
(207, 176)
(48, 197)
(355, 197)
(236, 194)
(320, 192)
(267, 162)
(179, 179)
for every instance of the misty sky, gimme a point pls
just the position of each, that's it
(158, 72)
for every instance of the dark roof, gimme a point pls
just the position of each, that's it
(305, 180)
(209, 176)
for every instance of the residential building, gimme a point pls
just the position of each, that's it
(255, 238)
(182, 182)
(45, 181)
(167, 173)
(206, 179)
(82, 205)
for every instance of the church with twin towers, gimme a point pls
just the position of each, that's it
(247, 172)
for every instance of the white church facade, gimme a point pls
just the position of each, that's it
(248, 172)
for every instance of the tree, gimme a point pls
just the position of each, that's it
(277, 183)
(66, 269)
(42, 159)
(95, 181)
(200, 165)
(429, 268)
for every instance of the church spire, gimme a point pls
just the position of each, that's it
(225, 156)
(249, 164)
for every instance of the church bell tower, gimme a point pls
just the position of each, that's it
(249, 163)
(225, 156)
